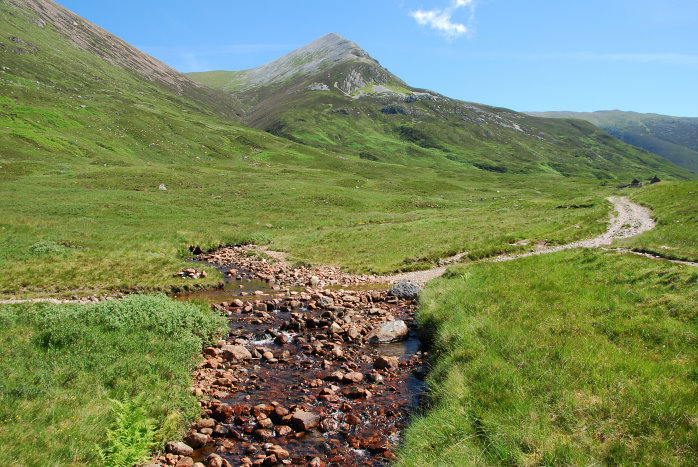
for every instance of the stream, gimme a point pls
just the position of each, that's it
(299, 380)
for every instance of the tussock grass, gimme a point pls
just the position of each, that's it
(63, 366)
(574, 358)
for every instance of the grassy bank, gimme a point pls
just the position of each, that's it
(675, 207)
(579, 357)
(62, 365)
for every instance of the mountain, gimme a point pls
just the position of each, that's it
(332, 95)
(94, 40)
(674, 138)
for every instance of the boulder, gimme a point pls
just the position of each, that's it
(388, 332)
(406, 290)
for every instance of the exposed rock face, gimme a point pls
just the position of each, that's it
(389, 332)
(406, 290)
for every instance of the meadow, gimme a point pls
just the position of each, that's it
(98, 384)
(574, 358)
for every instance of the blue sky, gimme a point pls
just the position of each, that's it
(580, 55)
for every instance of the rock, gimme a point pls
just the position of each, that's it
(214, 460)
(325, 302)
(205, 423)
(335, 328)
(196, 440)
(353, 377)
(279, 452)
(185, 462)
(283, 430)
(316, 462)
(235, 352)
(405, 289)
(304, 421)
(179, 448)
(388, 332)
(314, 281)
(385, 362)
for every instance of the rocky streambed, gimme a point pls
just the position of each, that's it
(317, 369)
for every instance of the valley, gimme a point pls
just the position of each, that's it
(198, 268)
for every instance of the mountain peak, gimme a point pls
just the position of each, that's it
(310, 60)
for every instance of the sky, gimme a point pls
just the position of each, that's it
(526, 55)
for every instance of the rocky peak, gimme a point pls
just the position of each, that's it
(310, 60)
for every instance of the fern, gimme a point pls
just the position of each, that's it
(133, 434)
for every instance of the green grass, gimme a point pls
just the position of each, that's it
(675, 207)
(574, 358)
(63, 366)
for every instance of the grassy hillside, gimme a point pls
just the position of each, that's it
(573, 358)
(674, 138)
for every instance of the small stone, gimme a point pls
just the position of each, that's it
(353, 377)
(185, 462)
(386, 362)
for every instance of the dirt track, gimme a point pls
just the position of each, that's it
(628, 220)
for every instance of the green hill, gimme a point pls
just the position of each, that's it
(674, 138)
(332, 95)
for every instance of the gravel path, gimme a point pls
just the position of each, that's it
(628, 220)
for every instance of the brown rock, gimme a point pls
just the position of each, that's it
(214, 460)
(185, 462)
(304, 421)
(353, 377)
(386, 362)
(179, 448)
(235, 352)
(205, 423)
(279, 452)
(196, 440)
(283, 430)
(316, 462)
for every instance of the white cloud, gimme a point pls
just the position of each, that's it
(442, 19)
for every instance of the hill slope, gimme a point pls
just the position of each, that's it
(674, 138)
(331, 94)
(85, 143)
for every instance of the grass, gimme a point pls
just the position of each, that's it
(675, 207)
(574, 358)
(65, 367)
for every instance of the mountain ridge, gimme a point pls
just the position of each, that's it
(91, 38)
(674, 138)
(332, 95)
